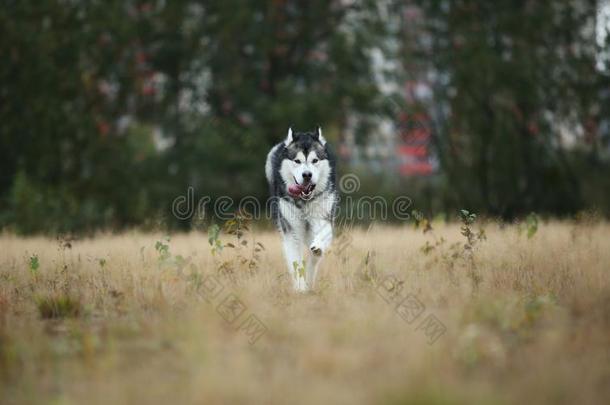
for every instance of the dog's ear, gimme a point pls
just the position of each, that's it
(289, 138)
(320, 137)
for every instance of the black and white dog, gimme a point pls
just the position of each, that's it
(301, 175)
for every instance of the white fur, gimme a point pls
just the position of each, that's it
(292, 243)
(317, 239)
(288, 139)
(268, 165)
(320, 137)
(292, 172)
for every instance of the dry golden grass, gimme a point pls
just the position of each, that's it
(107, 320)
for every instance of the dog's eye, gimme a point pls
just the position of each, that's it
(314, 161)
(297, 161)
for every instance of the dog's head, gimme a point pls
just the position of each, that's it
(305, 166)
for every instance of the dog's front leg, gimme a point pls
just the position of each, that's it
(322, 233)
(313, 261)
(294, 260)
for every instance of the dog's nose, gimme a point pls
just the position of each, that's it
(307, 176)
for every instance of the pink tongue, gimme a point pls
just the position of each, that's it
(295, 190)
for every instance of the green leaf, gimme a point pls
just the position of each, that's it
(213, 233)
(34, 264)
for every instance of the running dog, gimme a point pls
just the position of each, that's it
(301, 175)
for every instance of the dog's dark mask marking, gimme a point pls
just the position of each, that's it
(306, 142)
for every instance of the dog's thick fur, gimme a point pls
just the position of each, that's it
(301, 175)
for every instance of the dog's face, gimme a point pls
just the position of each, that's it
(305, 165)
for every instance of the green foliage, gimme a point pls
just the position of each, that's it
(168, 261)
(457, 255)
(529, 226)
(34, 264)
(58, 306)
(213, 238)
(532, 225)
(299, 269)
(468, 219)
(110, 110)
(162, 247)
(245, 252)
(512, 81)
(472, 239)
(420, 221)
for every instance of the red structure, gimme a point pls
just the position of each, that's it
(414, 145)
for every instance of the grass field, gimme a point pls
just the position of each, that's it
(399, 316)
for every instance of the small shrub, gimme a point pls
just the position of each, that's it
(458, 253)
(246, 251)
(34, 264)
(59, 306)
(213, 238)
(530, 227)
(162, 247)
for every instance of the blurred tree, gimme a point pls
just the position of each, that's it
(111, 109)
(516, 82)
(265, 66)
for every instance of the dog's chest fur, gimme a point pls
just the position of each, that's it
(298, 215)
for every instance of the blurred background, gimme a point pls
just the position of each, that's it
(110, 109)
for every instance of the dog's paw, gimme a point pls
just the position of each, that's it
(321, 242)
(316, 250)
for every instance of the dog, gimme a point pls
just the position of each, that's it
(301, 172)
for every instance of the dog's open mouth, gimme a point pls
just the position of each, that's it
(303, 191)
